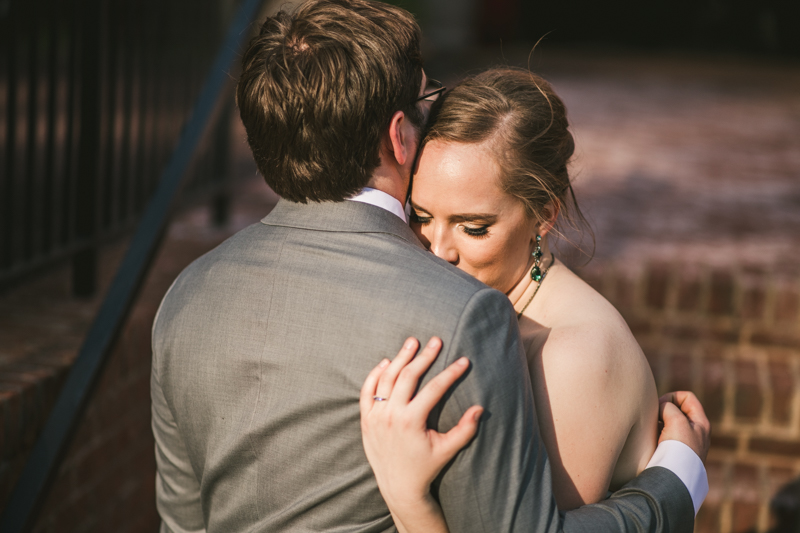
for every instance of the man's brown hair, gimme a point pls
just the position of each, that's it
(319, 88)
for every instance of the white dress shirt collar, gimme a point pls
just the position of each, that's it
(381, 199)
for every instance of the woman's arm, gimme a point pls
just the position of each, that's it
(405, 455)
(593, 401)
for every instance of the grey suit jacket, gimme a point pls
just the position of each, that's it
(260, 349)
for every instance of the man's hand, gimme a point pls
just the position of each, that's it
(685, 421)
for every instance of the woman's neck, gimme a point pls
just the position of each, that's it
(522, 290)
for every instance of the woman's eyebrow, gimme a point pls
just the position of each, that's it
(474, 217)
(488, 218)
(417, 207)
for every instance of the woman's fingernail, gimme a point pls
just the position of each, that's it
(384, 363)
(409, 344)
(433, 342)
(477, 415)
(463, 361)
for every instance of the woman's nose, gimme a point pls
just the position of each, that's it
(443, 246)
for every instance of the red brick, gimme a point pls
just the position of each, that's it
(771, 337)
(786, 305)
(748, 391)
(625, 292)
(778, 477)
(720, 300)
(745, 517)
(682, 332)
(639, 327)
(753, 303)
(745, 483)
(688, 294)
(724, 442)
(782, 386)
(657, 280)
(708, 519)
(728, 334)
(713, 387)
(680, 372)
(716, 473)
(775, 447)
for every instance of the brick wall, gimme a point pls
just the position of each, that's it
(733, 337)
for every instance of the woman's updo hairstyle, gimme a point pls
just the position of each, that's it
(525, 122)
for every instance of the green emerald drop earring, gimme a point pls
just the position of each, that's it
(536, 271)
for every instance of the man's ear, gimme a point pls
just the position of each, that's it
(549, 217)
(399, 138)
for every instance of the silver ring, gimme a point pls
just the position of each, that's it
(379, 399)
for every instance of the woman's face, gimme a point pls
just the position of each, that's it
(461, 214)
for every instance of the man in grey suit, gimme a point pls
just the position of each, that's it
(261, 346)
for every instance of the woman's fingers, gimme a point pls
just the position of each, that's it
(370, 386)
(435, 389)
(454, 440)
(409, 376)
(389, 375)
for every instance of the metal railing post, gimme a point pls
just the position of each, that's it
(84, 261)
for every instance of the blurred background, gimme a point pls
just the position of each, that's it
(686, 117)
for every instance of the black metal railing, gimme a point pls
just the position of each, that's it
(210, 102)
(93, 94)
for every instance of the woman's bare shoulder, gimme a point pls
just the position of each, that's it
(590, 340)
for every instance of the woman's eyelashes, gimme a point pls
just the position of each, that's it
(478, 231)
(472, 231)
(419, 219)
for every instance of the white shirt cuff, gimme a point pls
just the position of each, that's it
(681, 460)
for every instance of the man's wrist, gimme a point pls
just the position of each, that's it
(682, 461)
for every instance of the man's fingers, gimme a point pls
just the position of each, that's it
(409, 376)
(458, 437)
(668, 397)
(671, 415)
(389, 376)
(370, 386)
(689, 406)
(435, 389)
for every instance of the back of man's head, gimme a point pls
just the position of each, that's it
(319, 88)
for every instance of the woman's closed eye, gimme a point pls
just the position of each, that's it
(418, 218)
(471, 229)
(475, 231)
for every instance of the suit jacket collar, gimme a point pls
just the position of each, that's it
(349, 217)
